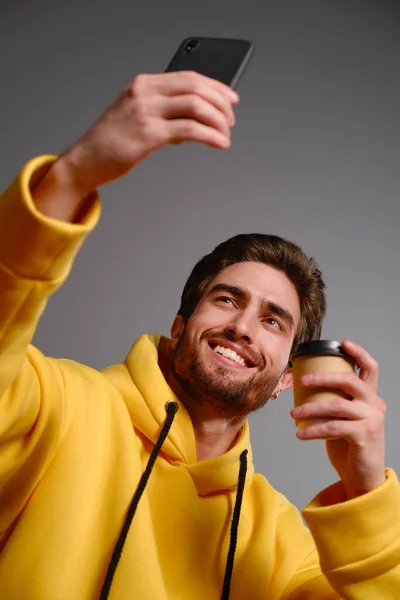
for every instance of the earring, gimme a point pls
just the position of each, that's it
(275, 395)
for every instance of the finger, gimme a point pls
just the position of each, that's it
(189, 130)
(188, 82)
(332, 430)
(349, 383)
(179, 82)
(369, 368)
(331, 408)
(194, 107)
(147, 88)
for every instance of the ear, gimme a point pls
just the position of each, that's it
(286, 380)
(177, 327)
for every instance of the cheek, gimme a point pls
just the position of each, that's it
(192, 331)
(204, 320)
(277, 351)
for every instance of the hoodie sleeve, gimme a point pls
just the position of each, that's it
(36, 254)
(357, 555)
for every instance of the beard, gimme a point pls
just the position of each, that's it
(217, 386)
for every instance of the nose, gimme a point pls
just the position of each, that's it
(242, 326)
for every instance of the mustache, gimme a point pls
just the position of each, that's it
(256, 359)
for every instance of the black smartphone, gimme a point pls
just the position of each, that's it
(223, 59)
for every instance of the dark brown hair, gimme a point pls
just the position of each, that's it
(272, 250)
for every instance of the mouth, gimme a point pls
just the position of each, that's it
(230, 356)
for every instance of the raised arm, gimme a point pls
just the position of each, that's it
(45, 216)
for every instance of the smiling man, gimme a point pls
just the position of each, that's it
(232, 344)
(138, 481)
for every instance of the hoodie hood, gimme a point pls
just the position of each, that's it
(142, 384)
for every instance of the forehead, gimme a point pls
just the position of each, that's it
(261, 282)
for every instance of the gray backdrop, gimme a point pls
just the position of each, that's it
(315, 158)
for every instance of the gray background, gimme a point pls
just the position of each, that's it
(315, 158)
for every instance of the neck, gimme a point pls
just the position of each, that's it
(214, 434)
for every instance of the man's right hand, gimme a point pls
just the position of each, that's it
(152, 111)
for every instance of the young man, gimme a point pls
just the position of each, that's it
(137, 481)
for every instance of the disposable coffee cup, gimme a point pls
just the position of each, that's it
(313, 357)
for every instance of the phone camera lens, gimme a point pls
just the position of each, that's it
(191, 46)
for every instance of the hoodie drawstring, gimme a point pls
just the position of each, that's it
(234, 526)
(171, 408)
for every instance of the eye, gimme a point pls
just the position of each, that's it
(273, 322)
(225, 300)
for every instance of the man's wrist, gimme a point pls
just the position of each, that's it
(57, 194)
(354, 491)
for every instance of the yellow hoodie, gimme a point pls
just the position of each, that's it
(74, 443)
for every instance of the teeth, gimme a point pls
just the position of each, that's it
(230, 354)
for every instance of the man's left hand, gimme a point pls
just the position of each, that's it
(356, 433)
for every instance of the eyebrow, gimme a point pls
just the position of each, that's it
(267, 305)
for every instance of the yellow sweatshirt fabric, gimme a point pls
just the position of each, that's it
(74, 442)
